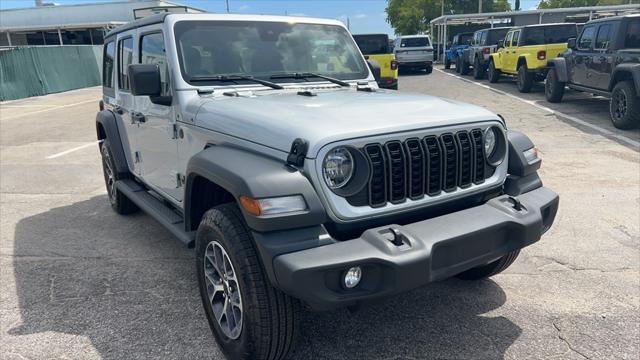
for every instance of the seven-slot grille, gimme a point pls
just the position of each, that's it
(428, 166)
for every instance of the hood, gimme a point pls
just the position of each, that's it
(276, 118)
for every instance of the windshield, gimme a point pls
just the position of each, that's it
(207, 49)
(495, 35)
(372, 44)
(540, 35)
(414, 42)
(464, 39)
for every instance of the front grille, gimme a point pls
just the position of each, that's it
(424, 167)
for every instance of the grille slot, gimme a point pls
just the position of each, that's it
(428, 166)
(397, 171)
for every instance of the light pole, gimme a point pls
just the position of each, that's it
(227, 6)
(479, 6)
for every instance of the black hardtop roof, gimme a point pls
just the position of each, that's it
(495, 28)
(613, 18)
(148, 20)
(544, 25)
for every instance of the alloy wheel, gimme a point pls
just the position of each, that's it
(620, 101)
(223, 290)
(109, 176)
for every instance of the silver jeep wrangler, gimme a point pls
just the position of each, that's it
(264, 142)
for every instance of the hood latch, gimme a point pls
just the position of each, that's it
(298, 152)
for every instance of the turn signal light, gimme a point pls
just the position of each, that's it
(394, 64)
(251, 205)
(101, 105)
(542, 55)
(486, 50)
(274, 205)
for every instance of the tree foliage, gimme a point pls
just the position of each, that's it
(552, 4)
(413, 16)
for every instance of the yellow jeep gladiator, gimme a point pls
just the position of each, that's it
(376, 47)
(525, 50)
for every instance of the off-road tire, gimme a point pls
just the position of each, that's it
(493, 73)
(119, 202)
(269, 317)
(624, 106)
(490, 269)
(553, 88)
(447, 63)
(478, 70)
(524, 80)
(429, 69)
(458, 64)
(464, 70)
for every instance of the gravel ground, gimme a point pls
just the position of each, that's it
(78, 281)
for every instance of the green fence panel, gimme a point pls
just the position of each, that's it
(37, 71)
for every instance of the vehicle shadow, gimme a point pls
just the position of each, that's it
(127, 286)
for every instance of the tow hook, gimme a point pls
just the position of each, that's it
(398, 238)
(517, 205)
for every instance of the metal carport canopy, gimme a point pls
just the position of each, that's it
(495, 17)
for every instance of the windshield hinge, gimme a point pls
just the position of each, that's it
(364, 86)
(179, 180)
(298, 152)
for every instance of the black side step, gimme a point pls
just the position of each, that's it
(164, 214)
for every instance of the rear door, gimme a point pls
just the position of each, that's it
(603, 57)
(582, 56)
(157, 140)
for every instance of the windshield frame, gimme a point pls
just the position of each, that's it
(364, 75)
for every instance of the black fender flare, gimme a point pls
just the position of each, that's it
(522, 176)
(560, 66)
(241, 172)
(631, 68)
(106, 120)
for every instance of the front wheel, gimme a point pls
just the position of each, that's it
(447, 63)
(490, 269)
(494, 74)
(553, 89)
(249, 318)
(458, 64)
(525, 79)
(464, 70)
(624, 106)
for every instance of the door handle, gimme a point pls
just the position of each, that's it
(138, 117)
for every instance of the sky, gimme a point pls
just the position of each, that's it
(365, 16)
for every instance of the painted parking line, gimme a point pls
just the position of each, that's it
(63, 153)
(45, 110)
(574, 119)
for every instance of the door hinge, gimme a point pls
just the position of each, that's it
(179, 180)
(138, 158)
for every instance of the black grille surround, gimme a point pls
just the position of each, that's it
(423, 167)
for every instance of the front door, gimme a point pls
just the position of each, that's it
(512, 52)
(601, 66)
(582, 56)
(156, 136)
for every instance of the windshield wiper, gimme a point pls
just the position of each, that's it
(234, 78)
(306, 75)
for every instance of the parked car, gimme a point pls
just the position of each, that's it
(525, 50)
(265, 143)
(376, 47)
(414, 51)
(605, 60)
(460, 42)
(476, 56)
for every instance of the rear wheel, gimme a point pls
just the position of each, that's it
(119, 202)
(249, 318)
(464, 70)
(447, 63)
(525, 79)
(624, 106)
(429, 69)
(553, 89)
(478, 70)
(494, 74)
(490, 269)
(458, 64)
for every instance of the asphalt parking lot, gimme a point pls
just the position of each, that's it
(79, 281)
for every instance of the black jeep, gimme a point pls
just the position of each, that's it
(605, 60)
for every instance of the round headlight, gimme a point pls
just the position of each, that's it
(337, 167)
(489, 141)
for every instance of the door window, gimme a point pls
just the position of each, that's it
(632, 38)
(108, 64)
(604, 36)
(125, 57)
(516, 36)
(483, 39)
(152, 51)
(507, 41)
(586, 39)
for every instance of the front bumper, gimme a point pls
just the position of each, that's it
(433, 249)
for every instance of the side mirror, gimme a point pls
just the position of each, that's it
(374, 66)
(571, 43)
(500, 44)
(144, 80)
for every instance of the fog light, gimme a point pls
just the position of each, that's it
(352, 277)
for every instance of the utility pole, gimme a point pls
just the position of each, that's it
(227, 6)
(479, 6)
(442, 12)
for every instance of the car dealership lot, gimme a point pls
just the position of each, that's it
(79, 281)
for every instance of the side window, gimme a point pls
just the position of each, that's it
(125, 57)
(604, 36)
(516, 36)
(507, 39)
(152, 51)
(632, 38)
(483, 38)
(587, 37)
(108, 64)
